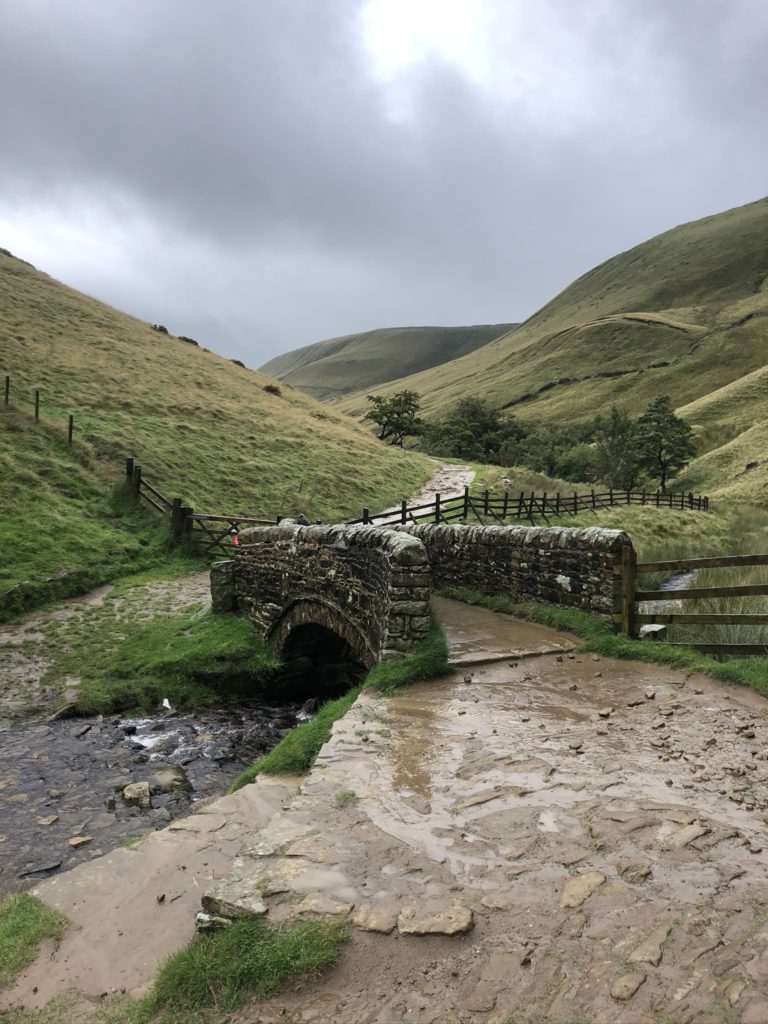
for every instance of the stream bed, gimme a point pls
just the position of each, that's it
(61, 782)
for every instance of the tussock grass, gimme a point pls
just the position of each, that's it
(296, 752)
(201, 428)
(599, 638)
(189, 659)
(248, 960)
(24, 923)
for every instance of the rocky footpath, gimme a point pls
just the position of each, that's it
(559, 838)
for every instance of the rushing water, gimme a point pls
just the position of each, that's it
(62, 780)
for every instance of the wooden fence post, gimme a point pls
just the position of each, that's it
(70, 429)
(177, 525)
(557, 503)
(437, 508)
(129, 469)
(366, 516)
(37, 405)
(520, 505)
(136, 482)
(485, 503)
(466, 502)
(7, 390)
(188, 521)
(575, 503)
(610, 496)
(506, 503)
(628, 576)
(404, 511)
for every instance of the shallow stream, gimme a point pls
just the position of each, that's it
(62, 781)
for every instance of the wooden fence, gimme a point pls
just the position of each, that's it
(7, 402)
(630, 618)
(487, 508)
(205, 534)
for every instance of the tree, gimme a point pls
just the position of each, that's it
(664, 441)
(473, 429)
(396, 417)
(617, 454)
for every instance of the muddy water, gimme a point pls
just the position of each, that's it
(62, 780)
(604, 821)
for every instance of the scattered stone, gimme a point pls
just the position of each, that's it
(605, 712)
(658, 723)
(685, 836)
(452, 920)
(634, 871)
(650, 951)
(650, 694)
(77, 841)
(734, 990)
(597, 675)
(210, 922)
(168, 778)
(50, 820)
(577, 890)
(83, 730)
(575, 745)
(319, 904)
(57, 794)
(626, 986)
(137, 794)
(573, 686)
(40, 867)
(375, 919)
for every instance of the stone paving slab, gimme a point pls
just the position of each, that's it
(572, 869)
(132, 908)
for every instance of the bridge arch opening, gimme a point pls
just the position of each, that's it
(323, 653)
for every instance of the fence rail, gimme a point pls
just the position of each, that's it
(206, 534)
(528, 506)
(631, 616)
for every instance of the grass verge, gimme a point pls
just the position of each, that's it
(190, 659)
(600, 638)
(296, 752)
(248, 960)
(24, 923)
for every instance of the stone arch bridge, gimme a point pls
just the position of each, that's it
(371, 585)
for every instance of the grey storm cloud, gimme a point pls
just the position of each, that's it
(241, 172)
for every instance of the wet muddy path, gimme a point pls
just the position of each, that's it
(592, 833)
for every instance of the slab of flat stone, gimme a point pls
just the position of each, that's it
(318, 904)
(446, 920)
(311, 848)
(572, 855)
(626, 986)
(375, 919)
(137, 793)
(684, 836)
(634, 870)
(577, 890)
(234, 901)
(650, 951)
(274, 839)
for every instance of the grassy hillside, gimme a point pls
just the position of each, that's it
(333, 368)
(685, 313)
(201, 427)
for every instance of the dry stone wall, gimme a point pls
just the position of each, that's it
(558, 565)
(371, 585)
(368, 585)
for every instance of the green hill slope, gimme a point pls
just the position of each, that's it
(685, 313)
(200, 426)
(333, 368)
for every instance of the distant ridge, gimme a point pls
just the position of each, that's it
(331, 369)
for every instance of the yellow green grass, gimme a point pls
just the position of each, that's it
(24, 923)
(693, 298)
(200, 426)
(333, 368)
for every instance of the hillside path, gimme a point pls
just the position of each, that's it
(449, 480)
(547, 835)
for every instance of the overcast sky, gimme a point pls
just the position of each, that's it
(262, 174)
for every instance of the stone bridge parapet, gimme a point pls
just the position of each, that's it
(371, 585)
(367, 585)
(556, 565)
